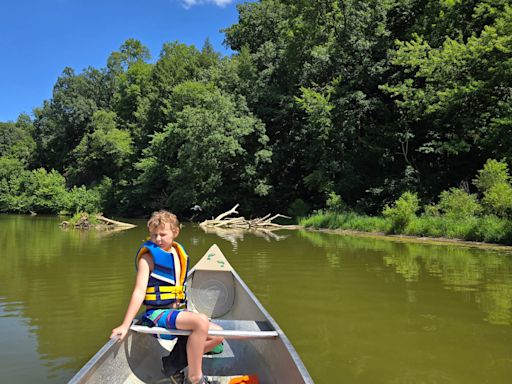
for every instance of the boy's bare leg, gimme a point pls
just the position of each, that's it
(198, 324)
(212, 341)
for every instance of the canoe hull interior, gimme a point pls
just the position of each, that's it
(138, 360)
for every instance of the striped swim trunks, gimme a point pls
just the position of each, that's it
(165, 318)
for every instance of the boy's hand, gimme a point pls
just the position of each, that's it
(119, 332)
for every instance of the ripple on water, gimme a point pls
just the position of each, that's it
(10, 308)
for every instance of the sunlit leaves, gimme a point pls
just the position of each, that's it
(16, 140)
(101, 152)
(213, 145)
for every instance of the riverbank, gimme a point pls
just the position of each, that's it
(487, 232)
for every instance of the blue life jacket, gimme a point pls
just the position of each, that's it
(164, 287)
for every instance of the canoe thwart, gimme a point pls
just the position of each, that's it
(243, 325)
(225, 334)
(232, 329)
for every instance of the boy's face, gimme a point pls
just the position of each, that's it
(164, 235)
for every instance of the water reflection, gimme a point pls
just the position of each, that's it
(486, 273)
(236, 235)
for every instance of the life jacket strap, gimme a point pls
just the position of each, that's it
(166, 292)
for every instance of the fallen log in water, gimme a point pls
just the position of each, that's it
(265, 222)
(98, 221)
(114, 222)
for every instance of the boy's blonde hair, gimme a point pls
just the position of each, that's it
(163, 217)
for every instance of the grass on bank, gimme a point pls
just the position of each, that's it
(489, 229)
(346, 220)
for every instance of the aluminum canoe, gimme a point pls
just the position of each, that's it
(254, 343)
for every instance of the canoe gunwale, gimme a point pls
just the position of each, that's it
(91, 365)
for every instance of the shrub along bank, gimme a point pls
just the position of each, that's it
(485, 216)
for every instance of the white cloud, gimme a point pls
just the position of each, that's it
(190, 3)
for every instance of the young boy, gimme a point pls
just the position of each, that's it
(162, 267)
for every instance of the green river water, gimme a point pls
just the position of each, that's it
(357, 309)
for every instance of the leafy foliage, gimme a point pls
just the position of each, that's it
(299, 208)
(493, 173)
(61, 123)
(493, 181)
(457, 203)
(498, 199)
(450, 89)
(213, 144)
(103, 151)
(37, 190)
(81, 199)
(16, 140)
(403, 211)
(334, 203)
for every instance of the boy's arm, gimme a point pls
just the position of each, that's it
(139, 292)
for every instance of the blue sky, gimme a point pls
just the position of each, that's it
(39, 38)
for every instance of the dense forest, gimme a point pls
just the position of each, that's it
(360, 100)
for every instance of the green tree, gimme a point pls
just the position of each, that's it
(132, 51)
(16, 140)
(47, 190)
(177, 63)
(81, 199)
(449, 90)
(62, 121)
(102, 152)
(322, 167)
(304, 51)
(10, 166)
(213, 154)
(130, 71)
(334, 203)
(132, 101)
